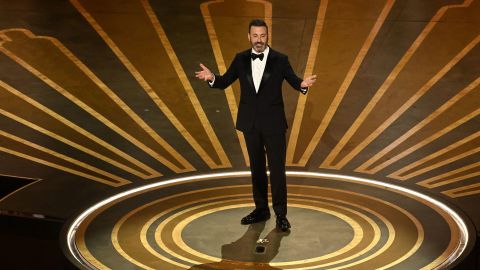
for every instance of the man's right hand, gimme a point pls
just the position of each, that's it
(205, 74)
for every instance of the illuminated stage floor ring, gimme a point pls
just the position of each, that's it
(367, 226)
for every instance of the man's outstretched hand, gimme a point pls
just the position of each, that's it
(309, 81)
(205, 74)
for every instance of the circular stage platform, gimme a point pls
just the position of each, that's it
(338, 222)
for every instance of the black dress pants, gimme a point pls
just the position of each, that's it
(274, 146)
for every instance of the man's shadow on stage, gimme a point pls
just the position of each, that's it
(246, 253)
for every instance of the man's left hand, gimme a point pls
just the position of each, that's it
(309, 81)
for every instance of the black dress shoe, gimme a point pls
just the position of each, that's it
(255, 216)
(283, 224)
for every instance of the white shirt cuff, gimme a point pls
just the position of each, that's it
(212, 81)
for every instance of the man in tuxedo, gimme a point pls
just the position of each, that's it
(261, 117)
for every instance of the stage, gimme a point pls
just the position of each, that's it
(339, 222)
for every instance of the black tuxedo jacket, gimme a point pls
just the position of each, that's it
(264, 109)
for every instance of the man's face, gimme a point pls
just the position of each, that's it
(258, 37)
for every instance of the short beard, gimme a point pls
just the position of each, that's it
(264, 46)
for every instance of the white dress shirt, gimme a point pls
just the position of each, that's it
(258, 67)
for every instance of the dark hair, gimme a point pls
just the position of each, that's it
(257, 22)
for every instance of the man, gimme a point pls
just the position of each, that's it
(261, 117)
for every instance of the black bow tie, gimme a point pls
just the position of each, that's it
(255, 56)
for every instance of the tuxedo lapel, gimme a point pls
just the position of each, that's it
(248, 65)
(268, 70)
